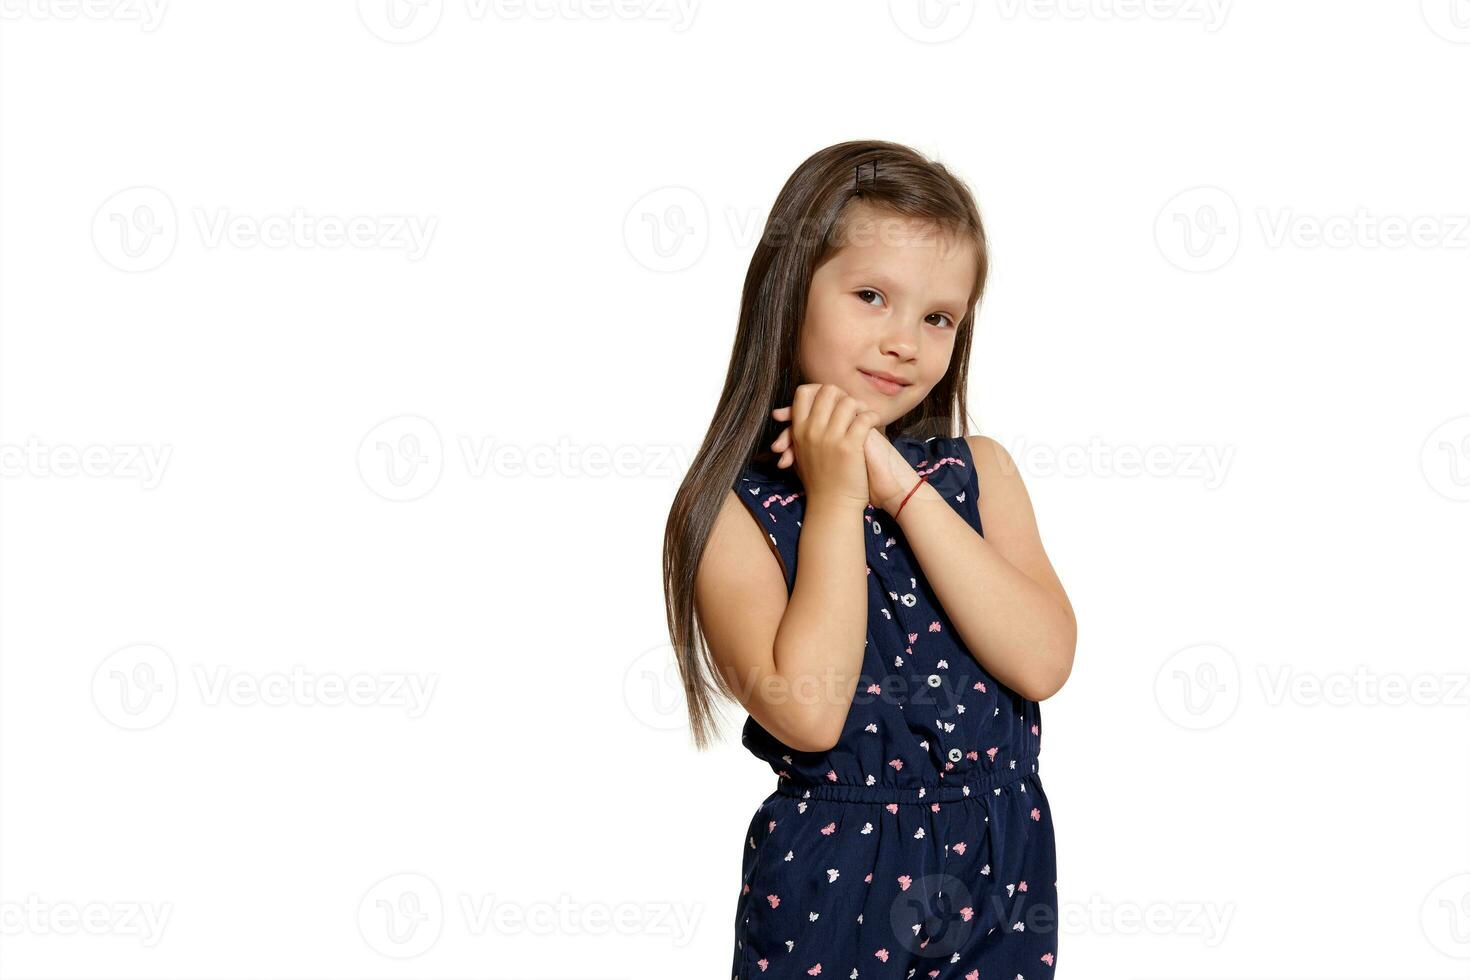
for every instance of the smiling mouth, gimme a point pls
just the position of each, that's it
(883, 384)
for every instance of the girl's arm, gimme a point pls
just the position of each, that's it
(1000, 590)
(793, 661)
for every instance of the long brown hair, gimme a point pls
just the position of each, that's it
(806, 223)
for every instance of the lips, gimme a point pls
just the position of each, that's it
(883, 381)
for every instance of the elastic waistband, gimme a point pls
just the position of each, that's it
(943, 791)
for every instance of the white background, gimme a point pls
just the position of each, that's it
(382, 463)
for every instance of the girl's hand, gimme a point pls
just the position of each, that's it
(830, 427)
(889, 475)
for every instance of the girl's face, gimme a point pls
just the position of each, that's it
(887, 303)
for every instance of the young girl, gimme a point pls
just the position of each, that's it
(889, 645)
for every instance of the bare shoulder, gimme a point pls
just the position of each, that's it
(991, 459)
(1004, 502)
(1007, 514)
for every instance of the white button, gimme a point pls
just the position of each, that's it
(933, 680)
(954, 755)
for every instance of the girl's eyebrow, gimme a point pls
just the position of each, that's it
(880, 279)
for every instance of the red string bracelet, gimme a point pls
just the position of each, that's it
(908, 495)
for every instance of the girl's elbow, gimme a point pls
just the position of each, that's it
(1049, 682)
(1047, 688)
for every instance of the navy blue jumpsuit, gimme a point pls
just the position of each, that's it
(920, 845)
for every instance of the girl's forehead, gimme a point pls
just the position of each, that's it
(946, 261)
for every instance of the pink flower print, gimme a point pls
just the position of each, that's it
(934, 627)
(869, 879)
(746, 889)
(828, 830)
(832, 775)
(1021, 887)
(1048, 959)
(913, 637)
(891, 807)
(882, 954)
(980, 686)
(1035, 813)
(991, 752)
(763, 963)
(815, 970)
(775, 900)
(934, 807)
(770, 826)
(1035, 729)
(960, 848)
(972, 755)
(973, 975)
(967, 913)
(904, 881)
(896, 763)
(874, 689)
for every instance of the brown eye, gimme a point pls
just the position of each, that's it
(951, 322)
(868, 292)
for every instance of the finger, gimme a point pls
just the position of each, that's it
(843, 414)
(862, 423)
(801, 403)
(819, 413)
